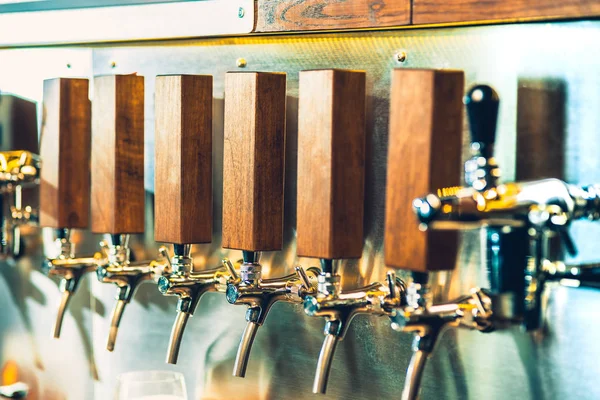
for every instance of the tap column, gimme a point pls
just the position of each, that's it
(183, 190)
(65, 179)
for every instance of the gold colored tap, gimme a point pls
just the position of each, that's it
(189, 286)
(259, 295)
(70, 269)
(340, 307)
(126, 275)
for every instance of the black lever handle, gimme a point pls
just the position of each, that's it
(482, 109)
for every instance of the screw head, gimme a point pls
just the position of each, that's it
(113, 64)
(241, 12)
(401, 56)
(241, 62)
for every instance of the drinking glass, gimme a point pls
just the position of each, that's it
(150, 385)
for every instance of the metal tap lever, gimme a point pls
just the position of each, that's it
(189, 286)
(260, 295)
(70, 269)
(127, 276)
(339, 308)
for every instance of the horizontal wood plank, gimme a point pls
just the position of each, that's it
(183, 167)
(303, 15)
(424, 155)
(456, 11)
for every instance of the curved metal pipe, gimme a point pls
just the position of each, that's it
(114, 324)
(414, 373)
(64, 302)
(324, 364)
(243, 353)
(176, 335)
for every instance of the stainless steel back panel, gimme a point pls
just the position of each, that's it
(562, 363)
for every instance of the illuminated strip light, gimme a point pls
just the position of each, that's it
(127, 23)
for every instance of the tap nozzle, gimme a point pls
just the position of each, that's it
(189, 286)
(339, 308)
(127, 276)
(259, 295)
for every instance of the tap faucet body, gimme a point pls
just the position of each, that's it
(189, 286)
(260, 294)
(70, 269)
(126, 275)
(340, 307)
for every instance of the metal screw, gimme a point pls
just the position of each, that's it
(401, 56)
(113, 64)
(241, 62)
(69, 66)
(241, 12)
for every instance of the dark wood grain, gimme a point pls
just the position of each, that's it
(541, 128)
(253, 161)
(300, 15)
(65, 151)
(183, 167)
(331, 164)
(118, 154)
(424, 155)
(455, 11)
(18, 124)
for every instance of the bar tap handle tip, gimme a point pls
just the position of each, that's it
(482, 103)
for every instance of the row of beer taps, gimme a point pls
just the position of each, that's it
(516, 219)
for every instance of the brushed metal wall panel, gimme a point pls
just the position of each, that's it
(371, 362)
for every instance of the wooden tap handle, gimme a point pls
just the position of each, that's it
(424, 155)
(65, 151)
(118, 194)
(253, 161)
(331, 164)
(183, 167)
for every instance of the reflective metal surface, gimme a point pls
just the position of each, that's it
(116, 23)
(371, 361)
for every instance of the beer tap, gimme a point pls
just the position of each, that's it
(519, 217)
(253, 180)
(127, 275)
(425, 125)
(65, 182)
(331, 171)
(118, 195)
(183, 199)
(19, 169)
(516, 219)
